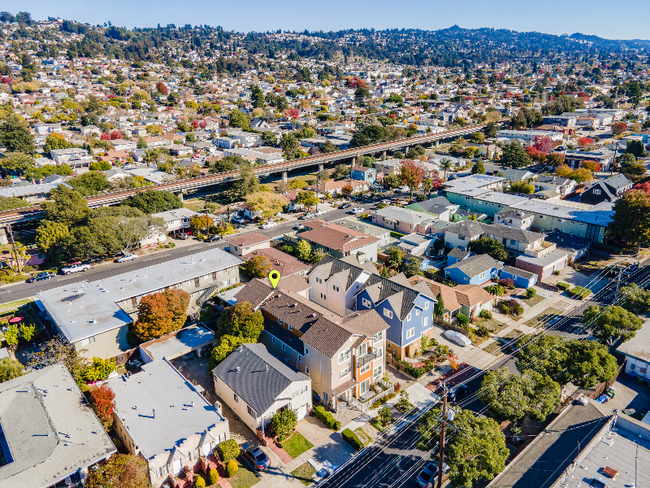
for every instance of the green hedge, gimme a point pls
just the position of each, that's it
(579, 292)
(327, 418)
(228, 450)
(352, 439)
(563, 286)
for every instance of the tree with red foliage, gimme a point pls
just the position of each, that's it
(123, 470)
(585, 141)
(161, 88)
(644, 187)
(161, 313)
(432, 181)
(203, 124)
(105, 137)
(543, 144)
(593, 166)
(6, 80)
(195, 124)
(292, 113)
(535, 154)
(102, 400)
(116, 135)
(619, 128)
(355, 82)
(411, 174)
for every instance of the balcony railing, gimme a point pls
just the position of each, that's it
(368, 357)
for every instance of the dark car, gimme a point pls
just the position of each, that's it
(214, 238)
(40, 277)
(256, 456)
(345, 205)
(427, 477)
(457, 392)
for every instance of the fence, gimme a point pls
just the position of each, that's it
(447, 326)
(365, 405)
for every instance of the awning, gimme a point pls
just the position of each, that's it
(339, 390)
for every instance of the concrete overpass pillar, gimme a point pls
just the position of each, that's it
(383, 155)
(438, 143)
(284, 176)
(354, 161)
(180, 194)
(321, 167)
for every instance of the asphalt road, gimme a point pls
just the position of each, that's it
(18, 291)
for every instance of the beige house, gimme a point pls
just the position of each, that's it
(95, 316)
(241, 244)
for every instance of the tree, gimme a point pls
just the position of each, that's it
(491, 129)
(102, 401)
(445, 165)
(391, 181)
(227, 344)
(513, 397)
(160, 314)
(154, 201)
(10, 369)
(161, 88)
(241, 320)
(543, 144)
(328, 147)
(284, 423)
(258, 266)
(341, 172)
(201, 223)
(257, 96)
(610, 323)
(593, 166)
(307, 199)
(303, 250)
(411, 174)
(16, 161)
(269, 138)
(636, 148)
(514, 155)
(631, 221)
(142, 144)
(98, 370)
(289, 145)
(238, 119)
(637, 300)
(55, 141)
(15, 136)
(619, 128)
(247, 183)
(395, 257)
(100, 166)
(525, 187)
(555, 160)
(123, 470)
(477, 450)
(478, 168)
(487, 245)
(51, 236)
(266, 203)
(412, 268)
(439, 307)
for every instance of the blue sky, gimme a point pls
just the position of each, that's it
(614, 19)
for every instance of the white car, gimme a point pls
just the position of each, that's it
(268, 225)
(126, 257)
(457, 338)
(320, 212)
(357, 210)
(75, 268)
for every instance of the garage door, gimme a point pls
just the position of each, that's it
(302, 412)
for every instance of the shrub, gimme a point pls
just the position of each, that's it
(510, 307)
(382, 400)
(579, 292)
(327, 418)
(563, 286)
(352, 439)
(507, 282)
(284, 423)
(531, 293)
(99, 369)
(556, 273)
(482, 332)
(413, 371)
(496, 290)
(231, 468)
(485, 314)
(199, 482)
(214, 476)
(228, 450)
(462, 319)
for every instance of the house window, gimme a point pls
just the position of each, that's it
(134, 302)
(197, 281)
(410, 333)
(344, 356)
(417, 311)
(379, 351)
(335, 288)
(283, 346)
(377, 371)
(289, 327)
(306, 352)
(236, 398)
(408, 317)
(251, 412)
(300, 358)
(363, 349)
(365, 368)
(280, 321)
(596, 192)
(426, 306)
(365, 302)
(425, 322)
(273, 340)
(344, 373)
(306, 370)
(379, 335)
(388, 313)
(214, 276)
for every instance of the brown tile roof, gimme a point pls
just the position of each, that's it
(448, 293)
(254, 292)
(280, 261)
(337, 237)
(250, 239)
(342, 388)
(471, 295)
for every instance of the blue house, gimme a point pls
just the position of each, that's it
(456, 255)
(474, 270)
(521, 278)
(362, 173)
(407, 311)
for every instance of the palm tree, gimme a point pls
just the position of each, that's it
(150, 156)
(445, 164)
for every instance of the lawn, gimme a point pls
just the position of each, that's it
(245, 478)
(363, 436)
(513, 334)
(304, 473)
(493, 325)
(493, 348)
(195, 204)
(296, 445)
(375, 423)
(545, 318)
(531, 302)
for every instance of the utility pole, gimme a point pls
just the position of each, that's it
(618, 281)
(442, 434)
(13, 244)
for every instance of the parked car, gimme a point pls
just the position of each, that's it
(75, 268)
(307, 216)
(386, 201)
(457, 392)
(356, 210)
(268, 225)
(40, 277)
(345, 205)
(457, 338)
(320, 212)
(428, 476)
(256, 456)
(237, 220)
(182, 236)
(126, 257)
(214, 238)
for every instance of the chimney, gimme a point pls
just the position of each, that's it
(266, 367)
(238, 369)
(154, 412)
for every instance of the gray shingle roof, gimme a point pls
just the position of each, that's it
(256, 376)
(475, 265)
(472, 228)
(518, 272)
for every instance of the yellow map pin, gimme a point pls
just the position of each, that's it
(274, 276)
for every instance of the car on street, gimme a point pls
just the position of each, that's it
(457, 392)
(307, 216)
(237, 220)
(256, 456)
(428, 476)
(356, 210)
(320, 212)
(214, 238)
(345, 205)
(386, 201)
(269, 225)
(126, 257)
(75, 268)
(40, 277)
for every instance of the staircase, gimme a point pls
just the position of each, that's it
(207, 293)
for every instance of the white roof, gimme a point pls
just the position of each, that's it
(175, 214)
(85, 309)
